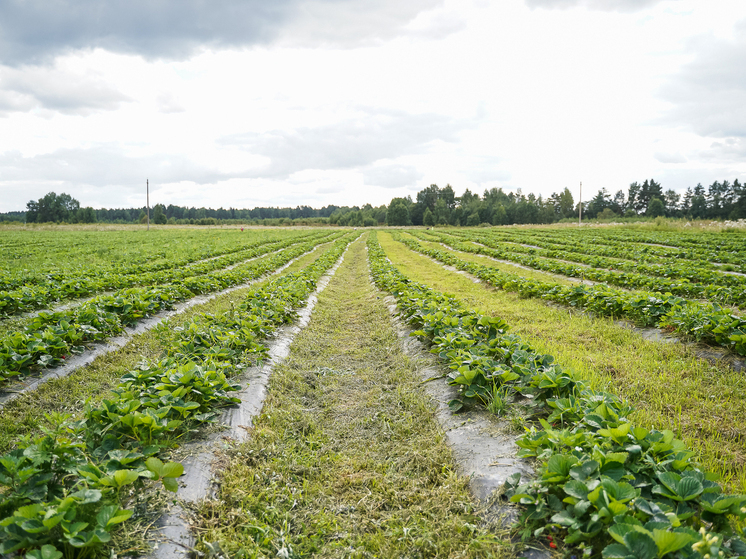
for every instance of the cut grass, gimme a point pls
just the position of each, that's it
(24, 416)
(346, 459)
(669, 386)
(493, 263)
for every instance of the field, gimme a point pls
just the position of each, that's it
(138, 367)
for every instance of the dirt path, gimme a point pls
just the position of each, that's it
(347, 458)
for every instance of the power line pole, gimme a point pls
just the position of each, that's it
(580, 205)
(147, 190)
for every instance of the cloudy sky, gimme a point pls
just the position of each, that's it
(250, 103)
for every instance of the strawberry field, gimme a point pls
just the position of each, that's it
(637, 446)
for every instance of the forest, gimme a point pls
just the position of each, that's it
(432, 205)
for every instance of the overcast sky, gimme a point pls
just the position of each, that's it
(248, 103)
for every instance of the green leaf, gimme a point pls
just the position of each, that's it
(576, 489)
(641, 545)
(616, 551)
(668, 542)
(455, 405)
(125, 477)
(689, 488)
(46, 552)
(171, 484)
(172, 469)
(584, 471)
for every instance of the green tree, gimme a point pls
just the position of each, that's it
(656, 208)
(398, 212)
(86, 215)
(499, 216)
(159, 215)
(427, 219)
(473, 220)
(52, 208)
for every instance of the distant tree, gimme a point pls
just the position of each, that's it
(607, 214)
(473, 220)
(398, 212)
(428, 219)
(632, 197)
(52, 208)
(457, 216)
(566, 203)
(86, 215)
(671, 201)
(442, 212)
(159, 215)
(656, 208)
(499, 216)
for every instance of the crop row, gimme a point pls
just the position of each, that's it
(604, 486)
(712, 292)
(700, 321)
(621, 257)
(640, 245)
(54, 288)
(52, 336)
(65, 491)
(69, 256)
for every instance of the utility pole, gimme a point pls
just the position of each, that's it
(147, 190)
(580, 205)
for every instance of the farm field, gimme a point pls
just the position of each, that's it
(545, 330)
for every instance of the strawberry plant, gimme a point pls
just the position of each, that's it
(604, 487)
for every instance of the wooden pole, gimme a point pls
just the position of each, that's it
(147, 190)
(580, 205)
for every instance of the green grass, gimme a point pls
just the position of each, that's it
(667, 383)
(493, 263)
(346, 459)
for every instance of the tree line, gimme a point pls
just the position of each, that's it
(431, 206)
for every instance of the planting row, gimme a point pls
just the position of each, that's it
(699, 321)
(698, 246)
(604, 486)
(69, 254)
(64, 492)
(735, 295)
(52, 336)
(621, 257)
(56, 288)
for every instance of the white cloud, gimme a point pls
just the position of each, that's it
(57, 89)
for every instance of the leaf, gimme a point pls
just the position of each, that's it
(46, 552)
(641, 545)
(689, 488)
(616, 551)
(576, 489)
(171, 484)
(455, 405)
(125, 477)
(172, 469)
(668, 542)
(154, 465)
(584, 471)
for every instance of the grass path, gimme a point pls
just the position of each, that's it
(346, 459)
(670, 387)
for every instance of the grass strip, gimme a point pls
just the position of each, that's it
(605, 486)
(691, 319)
(666, 382)
(346, 459)
(684, 281)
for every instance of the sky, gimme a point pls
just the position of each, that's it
(246, 103)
